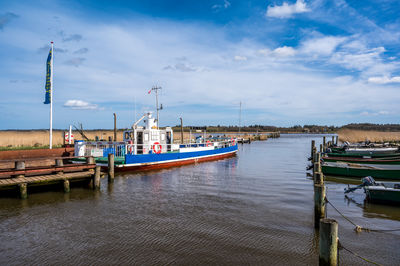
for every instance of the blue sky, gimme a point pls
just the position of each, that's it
(288, 62)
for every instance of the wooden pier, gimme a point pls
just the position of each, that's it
(46, 171)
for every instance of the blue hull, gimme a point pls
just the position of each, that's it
(143, 159)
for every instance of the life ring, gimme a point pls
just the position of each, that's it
(208, 143)
(159, 147)
(233, 141)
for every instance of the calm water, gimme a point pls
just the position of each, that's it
(256, 208)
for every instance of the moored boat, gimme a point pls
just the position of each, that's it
(380, 171)
(149, 147)
(379, 192)
(382, 160)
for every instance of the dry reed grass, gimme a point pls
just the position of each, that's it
(363, 135)
(40, 138)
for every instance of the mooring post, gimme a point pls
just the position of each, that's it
(324, 142)
(328, 242)
(312, 147)
(333, 140)
(314, 158)
(90, 160)
(110, 167)
(337, 140)
(319, 203)
(23, 190)
(321, 148)
(317, 167)
(96, 181)
(115, 127)
(181, 130)
(20, 165)
(60, 163)
(66, 186)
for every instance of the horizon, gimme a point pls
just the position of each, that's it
(288, 63)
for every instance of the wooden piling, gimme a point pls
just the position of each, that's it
(115, 127)
(20, 165)
(312, 147)
(96, 179)
(59, 162)
(110, 167)
(319, 203)
(23, 190)
(66, 186)
(321, 148)
(337, 140)
(324, 142)
(181, 130)
(333, 140)
(328, 242)
(90, 160)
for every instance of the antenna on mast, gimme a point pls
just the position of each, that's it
(155, 88)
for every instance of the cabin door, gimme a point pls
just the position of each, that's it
(168, 141)
(139, 142)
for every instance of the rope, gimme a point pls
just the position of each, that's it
(359, 228)
(355, 254)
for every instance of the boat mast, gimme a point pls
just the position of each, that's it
(157, 108)
(240, 115)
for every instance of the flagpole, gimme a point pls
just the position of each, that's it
(51, 96)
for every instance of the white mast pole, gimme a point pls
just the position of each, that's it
(51, 96)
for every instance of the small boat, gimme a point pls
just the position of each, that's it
(380, 171)
(379, 192)
(149, 147)
(363, 152)
(382, 160)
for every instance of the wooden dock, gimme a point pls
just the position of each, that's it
(61, 171)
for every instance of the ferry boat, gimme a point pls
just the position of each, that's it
(148, 147)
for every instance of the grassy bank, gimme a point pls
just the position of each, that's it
(351, 135)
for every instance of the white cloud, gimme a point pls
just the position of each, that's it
(384, 80)
(322, 45)
(286, 10)
(80, 105)
(382, 112)
(284, 51)
(218, 7)
(240, 58)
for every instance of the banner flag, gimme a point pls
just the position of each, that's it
(48, 79)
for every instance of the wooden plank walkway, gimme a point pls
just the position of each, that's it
(45, 178)
(24, 177)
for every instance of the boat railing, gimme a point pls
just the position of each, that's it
(120, 149)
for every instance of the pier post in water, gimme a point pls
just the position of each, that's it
(90, 160)
(337, 140)
(20, 165)
(96, 181)
(59, 163)
(324, 142)
(312, 147)
(333, 140)
(319, 203)
(321, 148)
(110, 167)
(328, 242)
(23, 190)
(66, 186)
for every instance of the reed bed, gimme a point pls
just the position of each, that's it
(354, 136)
(40, 138)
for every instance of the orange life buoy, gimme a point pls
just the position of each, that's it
(208, 143)
(233, 141)
(159, 147)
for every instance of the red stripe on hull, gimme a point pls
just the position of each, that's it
(173, 164)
